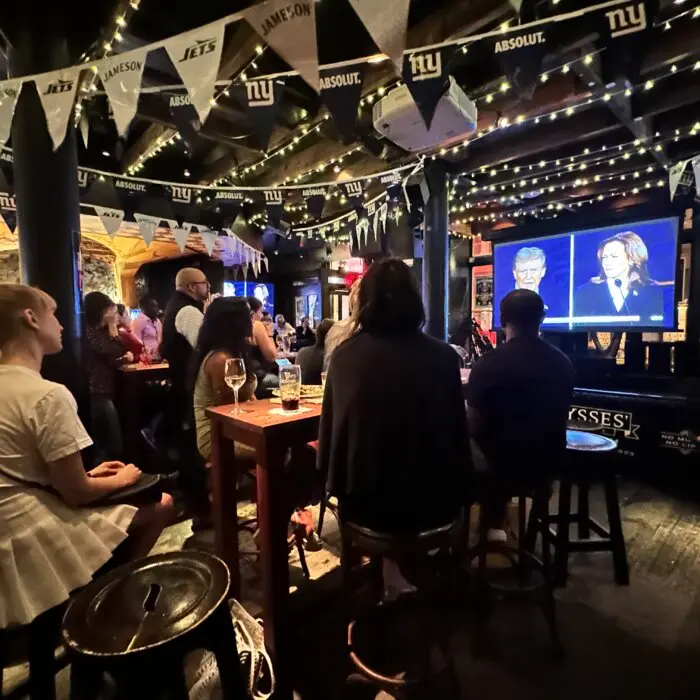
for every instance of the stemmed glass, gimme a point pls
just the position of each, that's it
(235, 376)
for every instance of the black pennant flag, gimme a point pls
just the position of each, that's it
(426, 75)
(341, 92)
(8, 205)
(274, 204)
(262, 98)
(229, 202)
(315, 197)
(520, 55)
(393, 183)
(185, 117)
(624, 32)
(354, 191)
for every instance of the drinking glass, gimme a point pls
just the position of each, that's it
(235, 376)
(290, 387)
(323, 381)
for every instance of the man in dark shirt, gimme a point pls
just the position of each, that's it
(518, 400)
(310, 359)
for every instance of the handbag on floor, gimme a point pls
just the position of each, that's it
(254, 660)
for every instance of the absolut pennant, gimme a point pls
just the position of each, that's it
(341, 92)
(520, 55)
(121, 78)
(315, 198)
(262, 98)
(426, 75)
(197, 55)
(185, 117)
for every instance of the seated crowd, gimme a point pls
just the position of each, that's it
(397, 446)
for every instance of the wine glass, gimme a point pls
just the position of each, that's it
(235, 376)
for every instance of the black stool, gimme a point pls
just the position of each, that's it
(35, 643)
(429, 555)
(582, 471)
(138, 623)
(517, 581)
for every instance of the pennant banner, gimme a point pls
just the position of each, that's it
(148, 225)
(696, 173)
(121, 77)
(197, 55)
(262, 101)
(341, 92)
(185, 117)
(674, 176)
(209, 240)
(520, 55)
(84, 126)
(57, 94)
(9, 92)
(274, 205)
(10, 218)
(290, 30)
(386, 23)
(354, 190)
(315, 198)
(111, 219)
(624, 33)
(426, 75)
(181, 235)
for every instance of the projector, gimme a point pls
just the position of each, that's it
(397, 118)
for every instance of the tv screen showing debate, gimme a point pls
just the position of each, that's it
(616, 277)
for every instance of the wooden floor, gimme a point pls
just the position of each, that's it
(636, 642)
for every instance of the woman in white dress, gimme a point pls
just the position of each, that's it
(51, 540)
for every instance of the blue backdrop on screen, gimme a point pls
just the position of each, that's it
(540, 264)
(263, 291)
(625, 282)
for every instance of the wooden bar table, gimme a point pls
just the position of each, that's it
(270, 435)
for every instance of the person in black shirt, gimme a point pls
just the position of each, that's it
(518, 400)
(393, 414)
(305, 334)
(310, 359)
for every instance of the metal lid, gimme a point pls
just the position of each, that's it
(145, 603)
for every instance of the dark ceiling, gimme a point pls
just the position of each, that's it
(224, 148)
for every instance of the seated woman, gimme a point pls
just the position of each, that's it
(53, 540)
(263, 352)
(224, 335)
(310, 359)
(393, 436)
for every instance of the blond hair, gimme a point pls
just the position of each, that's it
(15, 299)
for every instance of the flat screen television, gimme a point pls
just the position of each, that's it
(613, 278)
(252, 288)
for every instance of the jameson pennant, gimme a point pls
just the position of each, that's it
(197, 55)
(181, 235)
(121, 79)
(290, 31)
(315, 197)
(520, 55)
(624, 33)
(341, 92)
(426, 74)
(262, 98)
(111, 218)
(148, 225)
(386, 23)
(9, 92)
(674, 176)
(57, 94)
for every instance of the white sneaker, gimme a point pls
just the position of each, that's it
(496, 536)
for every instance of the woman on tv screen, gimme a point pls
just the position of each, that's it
(623, 286)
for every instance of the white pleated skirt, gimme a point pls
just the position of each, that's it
(48, 550)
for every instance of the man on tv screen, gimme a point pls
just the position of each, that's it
(529, 267)
(623, 286)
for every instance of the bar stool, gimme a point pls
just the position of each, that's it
(517, 581)
(138, 622)
(583, 471)
(429, 555)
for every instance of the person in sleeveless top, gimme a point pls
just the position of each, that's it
(52, 540)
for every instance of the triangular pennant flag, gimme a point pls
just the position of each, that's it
(386, 23)
(7, 198)
(315, 197)
(9, 92)
(230, 201)
(520, 54)
(274, 204)
(10, 219)
(185, 117)
(675, 174)
(197, 55)
(57, 93)
(121, 78)
(624, 32)
(353, 190)
(111, 218)
(516, 5)
(209, 240)
(341, 92)
(262, 98)
(426, 74)
(181, 235)
(148, 225)
(290, 31)
(84, 125)
(696, 173)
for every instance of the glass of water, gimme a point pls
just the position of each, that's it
(290, 387)
(235, 376)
